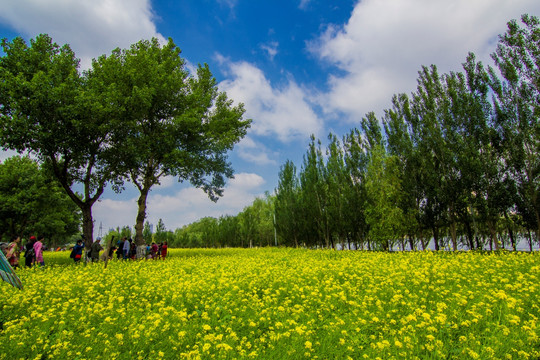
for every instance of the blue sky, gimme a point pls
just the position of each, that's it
(301, 67)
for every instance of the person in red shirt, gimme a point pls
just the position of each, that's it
(164, 250)
(154, 250)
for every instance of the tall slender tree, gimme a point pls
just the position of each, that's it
(287, 206)
(356, 161)
(400, 145)
(428, 106)
(336, 178)
(518, 110)
(314, 197)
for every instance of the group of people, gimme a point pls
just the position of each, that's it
(128, 250)
(33, 251)
(156, 251)
(125, 249)
(92, 253)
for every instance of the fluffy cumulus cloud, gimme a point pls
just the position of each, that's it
(385, 42)
(182, 207)
(284, 112)
(91, 27)
(255, 152)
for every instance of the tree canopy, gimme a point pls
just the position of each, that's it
(32, 203)
(178, 124)
(136, 115)
(63, 117)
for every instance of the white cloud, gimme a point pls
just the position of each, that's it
(91, 27)
(385, 43)
(254, 152)
(182, 207)
(285, 112)
(304, 4)
(271, 49)
(166, 182)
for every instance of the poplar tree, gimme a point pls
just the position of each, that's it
(518, 110)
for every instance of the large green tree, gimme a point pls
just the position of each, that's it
(179, 124)
(65, 119)
(32, 202)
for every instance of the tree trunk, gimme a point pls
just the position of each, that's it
(88, 226)
(470, 236)
(411, 242)
(453, 234)
(510, 231)
(538, 228)
(478, 246)
(491, 226)
(423, 243)
(141, 216)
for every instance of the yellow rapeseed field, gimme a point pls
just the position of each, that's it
(277, 304)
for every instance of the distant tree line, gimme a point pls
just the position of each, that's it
(455, 164)
(252, 227)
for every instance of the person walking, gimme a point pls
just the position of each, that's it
(29, 253)
(120, 250)
(164, 250)
(95, 249)
(77, 251)
(132, 250)
(14, 252)
(127, 245)
(38, 249)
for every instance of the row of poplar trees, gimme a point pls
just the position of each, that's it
(455, 163)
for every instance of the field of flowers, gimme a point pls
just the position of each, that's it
(277, 304)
